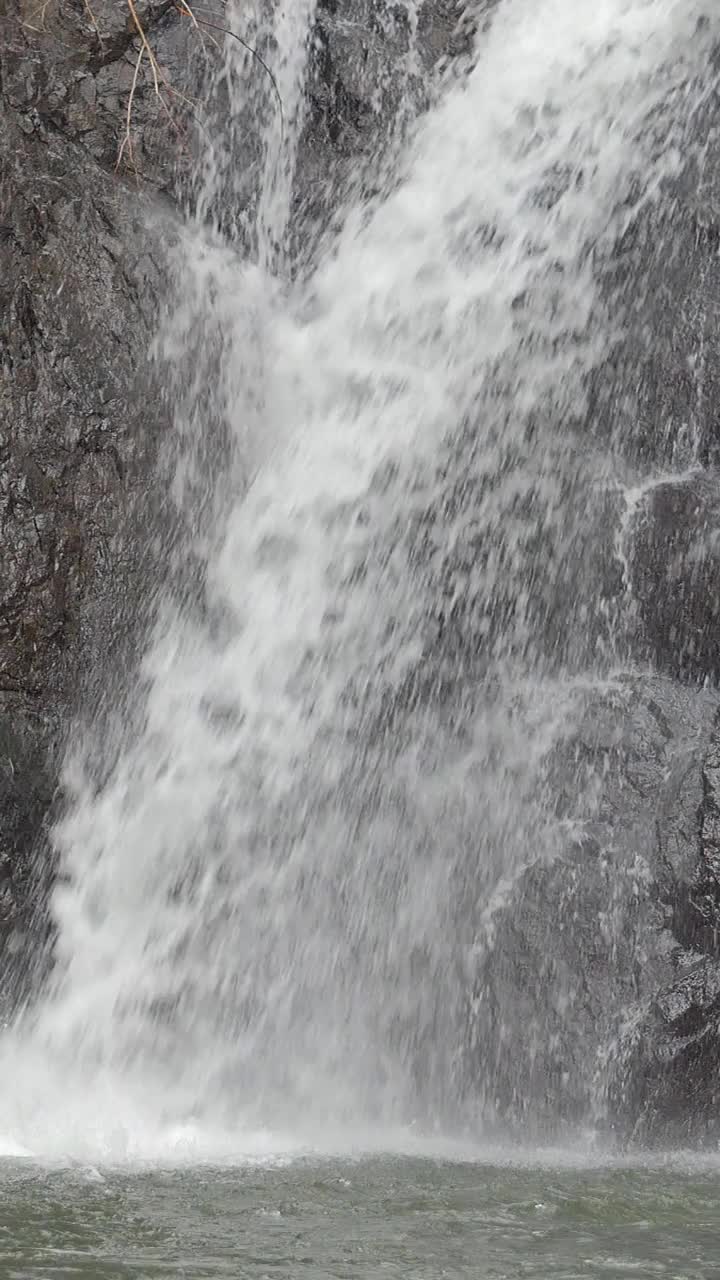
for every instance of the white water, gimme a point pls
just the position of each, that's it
(265, 918)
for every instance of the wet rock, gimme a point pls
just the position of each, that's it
(692, 999)
(86, 144)
(79, 317)
(26, 790)
(68, 70)
(666, 1085)
(85, 136)
(674, 563)
(81, 271)
(616, 917)
(367, 79)
(583, 939)
(656, 398)
(669, 1079)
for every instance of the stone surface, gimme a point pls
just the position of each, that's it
(67, 72)
(674, 563)
(367, 79)
(656, 397)
(87, 179)
(667, 1084)
(81, 264)
(586, 937)
(595, 988)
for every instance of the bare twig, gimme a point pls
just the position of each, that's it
(159, 78)
(184, 10)
(126, 144)
(40, 11)
(144, 40)
(93, 19)
(164, 91)
(214, 26)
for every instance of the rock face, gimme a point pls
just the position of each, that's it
(596, 994)
(80, 271)
(607, 938)
(590, 932)
(675, 574)
(87, 184)
(657, 398)
(668, 1085)
(67, 74)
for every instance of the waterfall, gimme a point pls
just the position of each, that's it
(270, 895)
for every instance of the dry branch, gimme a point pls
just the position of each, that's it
(159, 79)
(137, 31)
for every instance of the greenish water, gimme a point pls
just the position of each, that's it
(376, 1217)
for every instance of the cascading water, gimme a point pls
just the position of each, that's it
(269, 902)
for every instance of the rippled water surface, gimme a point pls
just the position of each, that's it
(373, 1217)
